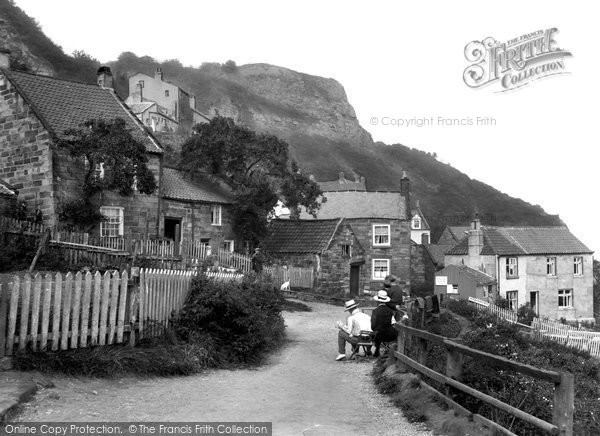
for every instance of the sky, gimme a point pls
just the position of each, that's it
(398, 61)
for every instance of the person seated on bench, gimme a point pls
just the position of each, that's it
(350, 332)
(382, 321)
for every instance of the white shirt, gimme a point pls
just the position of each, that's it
(356, 322)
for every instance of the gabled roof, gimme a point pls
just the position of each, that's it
(176, 186)
(361, 204)
(437, 252)
(417, 211)
(6, 189)
(140, 107)
(65, 104)
(300, 236)
(505, 241)
(342, 184)
(478, 277)
(458, 232)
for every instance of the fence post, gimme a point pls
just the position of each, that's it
(133, 288)
(401, 348)
(454, 367)
(562, 410)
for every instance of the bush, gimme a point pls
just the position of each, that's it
(243, 319)
(526, 314)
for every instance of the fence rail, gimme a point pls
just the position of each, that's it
(296, 276)
(563, 406)
(570, 336)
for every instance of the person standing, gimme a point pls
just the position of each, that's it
(382, 321)
(394, 291)
(257, 260)
(350, 332)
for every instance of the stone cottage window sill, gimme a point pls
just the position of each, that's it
(512, 277)
(552, 277)
(383, 246)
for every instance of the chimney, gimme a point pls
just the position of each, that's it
(362, 180)
(405, 192)
(4, 58)
(342, 178)
(475, 243)
(193, 101)
(138, 95)
(424, 238)
(418, 206)
(159, 74)
(105, 77)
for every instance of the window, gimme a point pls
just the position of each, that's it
(166, 92)
(381, 268)
(578, 266)
(551, 266)
(565, 298)
(215, 215)
(513, 299)
(141, 82)
(512, 268)
(381, 234)
(346, 250)
(228, 245)
(416, 223)
(112, 226)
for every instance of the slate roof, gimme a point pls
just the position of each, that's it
(65, 104)
(437, 252)
(176, 186)
(524, 241)
(140, 107)
(300, 236)
(417, 211)
(361, 204)
(458, 231)
(342, 185)
(7, 189)
(478, 277)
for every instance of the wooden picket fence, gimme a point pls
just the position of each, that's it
(65, 312)
(570, 336)
(296, 276)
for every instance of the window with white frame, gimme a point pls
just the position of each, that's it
(381, 235)
(565, 298)
(228, 245)
(381, 268)
(215, 214)
(512, 267)
(513, 299)
(112, 225)
(416, 222)
(578, 265)
(551, 266)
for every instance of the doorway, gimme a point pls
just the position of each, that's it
(171, 230)
(354, 279)
(534, 301)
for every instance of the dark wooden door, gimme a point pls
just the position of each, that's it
(354, 279)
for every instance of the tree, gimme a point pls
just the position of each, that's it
(114, 161)
(258, 168)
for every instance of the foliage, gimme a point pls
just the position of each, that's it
(258, 168)
(243, 319)
(229, 66)
(502, 302)
(18, 251)
(525, 314)
(596, 272)
(111, 146)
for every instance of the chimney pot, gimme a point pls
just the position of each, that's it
(342, 177)
(159, 74)
(105, 77)
(424, 238)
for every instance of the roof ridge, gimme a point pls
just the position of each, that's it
(45, 76)
(337, 226)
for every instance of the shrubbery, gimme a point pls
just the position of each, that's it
(243, 319)
(222, 324)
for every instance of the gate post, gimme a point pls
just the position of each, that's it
(562, 410)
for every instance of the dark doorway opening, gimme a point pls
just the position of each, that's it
(354, 279)
(172, 231)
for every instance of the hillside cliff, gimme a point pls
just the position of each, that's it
(311, 113)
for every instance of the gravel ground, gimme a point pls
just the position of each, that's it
(302, 390)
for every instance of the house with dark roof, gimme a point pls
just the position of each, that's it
(545, 267)
(380, 222)
(463, 282)
(328, 246)
(199, 208)
(343, 184)
(36, 110)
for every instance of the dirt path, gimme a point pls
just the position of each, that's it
(302, 390)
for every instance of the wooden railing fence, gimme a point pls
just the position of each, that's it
(563, 404)
(570, 336)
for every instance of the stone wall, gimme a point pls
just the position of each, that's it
(196, 222)
(398, 251)
(25, 152)
(8, 204)
(422, 271)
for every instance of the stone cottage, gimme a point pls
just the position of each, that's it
(329, 247)
(36, 110)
